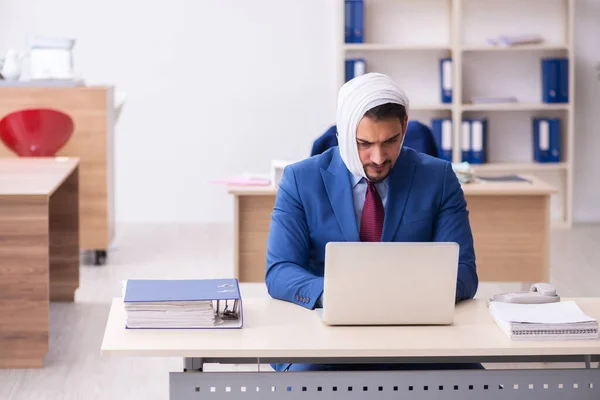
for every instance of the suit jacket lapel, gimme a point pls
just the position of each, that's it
(399, 188)
(339, 190)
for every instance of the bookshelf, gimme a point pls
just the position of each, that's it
(405, 39)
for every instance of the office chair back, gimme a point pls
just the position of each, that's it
(418, 137)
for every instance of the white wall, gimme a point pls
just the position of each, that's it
(221, 87)
(215, 88)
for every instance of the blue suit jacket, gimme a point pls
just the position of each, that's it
(314, 206)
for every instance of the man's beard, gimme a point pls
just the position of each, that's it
(378, 178)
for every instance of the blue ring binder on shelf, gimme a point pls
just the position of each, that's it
(183, 304)
(555, 80)
(354, 21)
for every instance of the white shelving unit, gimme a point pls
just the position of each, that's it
(406, 39)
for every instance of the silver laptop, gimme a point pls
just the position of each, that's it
(389, 283)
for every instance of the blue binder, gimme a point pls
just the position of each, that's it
(546, 140)
(541, 139)
(224, 293)
(563, 86)
(354, 21)
(446, 80)
(442, 134)
(355, 67)
(347, 21)
(555, 140)
(478, 141)
(465, 140)
(555, 80)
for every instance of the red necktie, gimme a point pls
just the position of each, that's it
(371, 222)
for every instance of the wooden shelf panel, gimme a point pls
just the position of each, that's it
(393, 47)
(431, 107)
(517, 167)
(515, 107)
(527, 47)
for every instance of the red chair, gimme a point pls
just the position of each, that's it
(39, 132)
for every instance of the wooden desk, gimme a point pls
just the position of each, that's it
(510, 223)
(92, 110)
(277, 331)
(39, 252)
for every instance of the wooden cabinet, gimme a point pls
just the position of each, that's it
(510, 224)
(39, 252)
(92, 110)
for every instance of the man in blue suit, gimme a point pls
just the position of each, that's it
(369, 188)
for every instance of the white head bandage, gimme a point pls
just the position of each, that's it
(355, 98)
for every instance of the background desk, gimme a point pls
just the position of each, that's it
(277, 331)
(510, 223)
(39, 252)
(92, 110)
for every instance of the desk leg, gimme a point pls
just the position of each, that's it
(576, 384)
(193, 364)
(24, 287)
(64, 240)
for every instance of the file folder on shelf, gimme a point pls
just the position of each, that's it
(355, 67)
(546, 140)
(563, 86)
(354, 21)
(465, 140)
(446, 80)
(478, 141)
(555, 80)
(442, 134)
(183, 304)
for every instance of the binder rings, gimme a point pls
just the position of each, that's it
(478, 141)
(355, 67)
(546, 140)
(183, 304)
(465, 140)
(446, 80)
(442, 134)
(555, 80)
(354, 21)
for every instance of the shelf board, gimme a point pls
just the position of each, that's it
(431, 107)
(393, 47)
(515, 107)
(525, 47)
(445, 47)
(517, 167)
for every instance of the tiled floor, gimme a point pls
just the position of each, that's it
(74, 368)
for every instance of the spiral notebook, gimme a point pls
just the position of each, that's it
(551, 321)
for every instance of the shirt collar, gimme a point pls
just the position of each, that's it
(355, 179)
